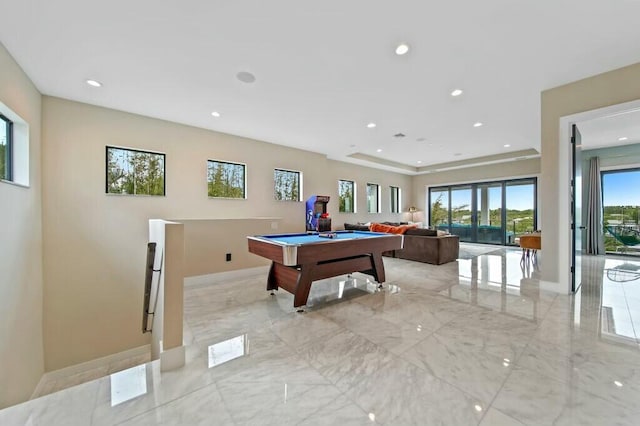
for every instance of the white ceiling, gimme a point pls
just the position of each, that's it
(616, 129)
(326, 69)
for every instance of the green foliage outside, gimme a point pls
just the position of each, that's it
(518, 221)
(134, 172)
(286, 185)
(3, 161)
(225, 180)
(624, 220)
(345, 196)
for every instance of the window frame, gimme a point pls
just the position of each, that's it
(395, 201)
(353, 194)
(377, 186)
(244, 180)
(8, 153)
(299, 178)
(135, 150)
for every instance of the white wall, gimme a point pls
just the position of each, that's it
(21, 353)
(95, 244)
(600, 91)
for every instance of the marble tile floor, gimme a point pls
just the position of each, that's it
(474, 342)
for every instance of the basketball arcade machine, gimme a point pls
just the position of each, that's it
(317, 217)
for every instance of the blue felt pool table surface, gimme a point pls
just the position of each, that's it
(300, 239)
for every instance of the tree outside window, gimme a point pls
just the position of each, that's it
(134, 172)
(346, 196)
(6, 127)
(287, 185)
(226, 180)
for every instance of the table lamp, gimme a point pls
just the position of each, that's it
(412, 210)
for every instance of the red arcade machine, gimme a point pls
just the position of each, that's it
(317, 217)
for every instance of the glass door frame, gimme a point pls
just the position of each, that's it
(474, 204)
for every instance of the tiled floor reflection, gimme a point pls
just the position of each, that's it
(472, 342)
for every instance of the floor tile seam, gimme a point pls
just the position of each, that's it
(626, 299)
(465, 392)
(224, 403)
(340, 394)
(169, 401)
(497, 394)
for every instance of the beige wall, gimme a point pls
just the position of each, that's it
(95, 243)
(21, 354)
(611, 88)
(508, 170)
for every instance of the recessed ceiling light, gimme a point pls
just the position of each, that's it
(456, 92)
(419, 161)
(371, 125)
(378, 150)
(618, 384)
(402, 49)
(215, 114)
(478, 407)
(246, 77)
(477, 124)
(624, 138)
(506, 145)
(94, 83)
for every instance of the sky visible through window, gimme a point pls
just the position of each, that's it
(621, 189)
(519, 197)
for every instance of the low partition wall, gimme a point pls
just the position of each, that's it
(220, 245)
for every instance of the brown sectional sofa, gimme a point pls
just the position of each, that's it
(422, 245)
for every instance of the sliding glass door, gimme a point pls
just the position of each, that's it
(521, 207)
(488, 212)
(489, 208)
(461, 212)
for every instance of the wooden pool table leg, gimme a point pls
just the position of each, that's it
(272, 284)
(378, 268)
(303, 286)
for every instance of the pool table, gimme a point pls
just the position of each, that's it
(300, 259)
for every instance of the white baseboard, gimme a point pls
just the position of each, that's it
(90, 365)
(172, 359)
(225, 276)
(553, 287)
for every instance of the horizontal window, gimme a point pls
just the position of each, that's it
(226, 180)
(134, 172)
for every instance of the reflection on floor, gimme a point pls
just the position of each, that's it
(477, 341)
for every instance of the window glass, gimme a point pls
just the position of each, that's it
(5, 148)
(286, 185)
(373, 198)
(395, 199)
(346, 195)
(134, 172)
(226, 180)
(621, 210)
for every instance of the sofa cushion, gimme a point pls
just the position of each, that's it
(422, 231)
(354, 227)
(381, 227)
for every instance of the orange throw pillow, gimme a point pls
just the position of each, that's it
(381, 227)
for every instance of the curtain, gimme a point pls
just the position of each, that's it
(595, 234)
